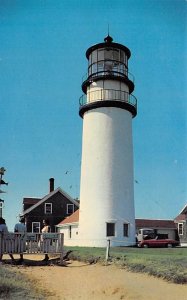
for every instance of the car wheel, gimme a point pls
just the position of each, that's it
(169, 245)
(145, 246)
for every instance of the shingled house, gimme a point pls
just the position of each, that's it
(55, 206)
(181, 222)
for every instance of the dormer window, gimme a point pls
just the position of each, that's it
(48, 208)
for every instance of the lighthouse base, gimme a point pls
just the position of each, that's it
(120, 232)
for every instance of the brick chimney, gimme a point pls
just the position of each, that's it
(51, 185)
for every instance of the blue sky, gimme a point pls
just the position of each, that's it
(42, 62)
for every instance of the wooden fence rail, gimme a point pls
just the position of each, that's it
(32, 243)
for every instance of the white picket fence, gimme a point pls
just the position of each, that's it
(31, 243)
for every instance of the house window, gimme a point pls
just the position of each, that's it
(180, 228)
(48, 208)
(110, 229)
(1, 209)
(70, 209)
(36, 227)
(126, 229)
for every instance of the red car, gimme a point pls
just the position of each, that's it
(158, 243)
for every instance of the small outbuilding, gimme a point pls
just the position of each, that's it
(69, 227)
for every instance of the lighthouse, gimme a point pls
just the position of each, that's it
(107, 181)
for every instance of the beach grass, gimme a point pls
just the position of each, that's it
(167, 263)
(14, 285)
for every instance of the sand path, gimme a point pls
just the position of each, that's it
(97, 282)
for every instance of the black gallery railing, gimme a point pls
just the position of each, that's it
(108, 95)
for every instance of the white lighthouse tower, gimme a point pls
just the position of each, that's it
(107, 184)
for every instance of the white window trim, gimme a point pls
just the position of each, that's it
(182, 228)
(67, 210)
(37, 226)
(47, 213)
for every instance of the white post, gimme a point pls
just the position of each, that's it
(108, 250)
(61, 248)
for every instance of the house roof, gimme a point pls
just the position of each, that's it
(140, 223)
(48, 197)
(181, 217)
(30, 200)
(74, 218)
(183, 214)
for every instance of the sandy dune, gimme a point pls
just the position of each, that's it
(97, 282)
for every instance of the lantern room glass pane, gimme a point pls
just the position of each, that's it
(122, 57)
(90, 60)
(94, 56)
(108, 66)
(94, 68)
(116, 54)
(100, 67)
(100, 54)
(108, 54)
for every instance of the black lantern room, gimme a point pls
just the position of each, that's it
(108, 81)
